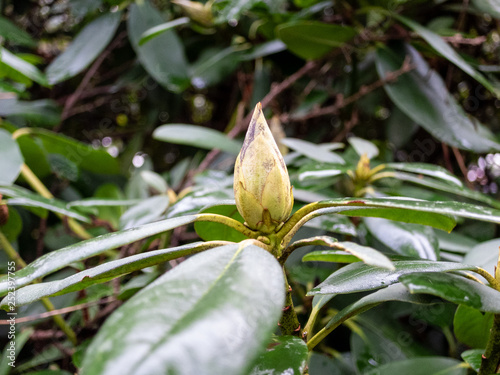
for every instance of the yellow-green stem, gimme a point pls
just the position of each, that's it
(13, 254)
(289, 323)
(495, 284)
(215, 218)
(490, 362)
(40, 188)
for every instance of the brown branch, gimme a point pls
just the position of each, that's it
(88, 76)
(342, 103)
(64, 310)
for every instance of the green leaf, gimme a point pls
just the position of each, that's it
(312, 151)
(11, 157)
(471, 327)
(396, 292)
(362, 146)
(197, 136)
(422, 95)
(105, 272)
(411, 210)
(473, 357)
(84, 49)
(58, 259)
(443, 186)
(102, 202)
(162, 57)
(146, 211)
(456, 242)
(453, 288)
(265, 49)
(157, 30)
(44, 112)
(155, 181)
(484, 255)
(359, 277)
(421, 366)
(411, 240)
(203, 309)
(286, 355)
(23, 197)
(333, 256)
(19, 340)
(333, 223)
(312, 39)
(425, 169)
(83, 155)
(9, 31)
(210, 231)
(213, 65)
(445, 50)
(12, 229)
(366, 254)
(23, 67)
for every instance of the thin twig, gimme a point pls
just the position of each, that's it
(88, 76)
(64, 310)
(341, 102)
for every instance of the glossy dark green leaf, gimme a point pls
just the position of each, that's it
(473, 357)
(197, 136)
(453, 288)
(83, 155)
(285, 355)
(366, 254)
(25, 68)
(425, 169)
(9, 31)
(84, 49)
(312, 151)
(333, 223)
(311, 39)
(421, 366)
(484, 255)
(210, 231)
(11, 157)
(157, 30)
(58, 259)
(422, 95)
(443, 186)
(213, 65)
(413, 210)
(396, 292)
(19, 196)
(444, 49)
(472, 327)
(104, 273)
(146, 211)
(44, 112)
(333, 256)
(203, 309)
(359, 277)
(162, 57)
(411, 240)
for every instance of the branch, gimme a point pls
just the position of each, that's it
(341, 102)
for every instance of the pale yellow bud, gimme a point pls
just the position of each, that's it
(261, 184)
(198, 12)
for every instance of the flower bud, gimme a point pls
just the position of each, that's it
(261, 184)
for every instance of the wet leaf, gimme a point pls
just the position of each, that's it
(359, 277)
(11, 158)
(453, 288)
(200, 310)
(285, 355)
(421, 366)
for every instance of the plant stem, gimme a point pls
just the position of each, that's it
(490, 362)
(289, 323)
(40, 188)
(231, 223)
(495, 284)
(12, 254)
